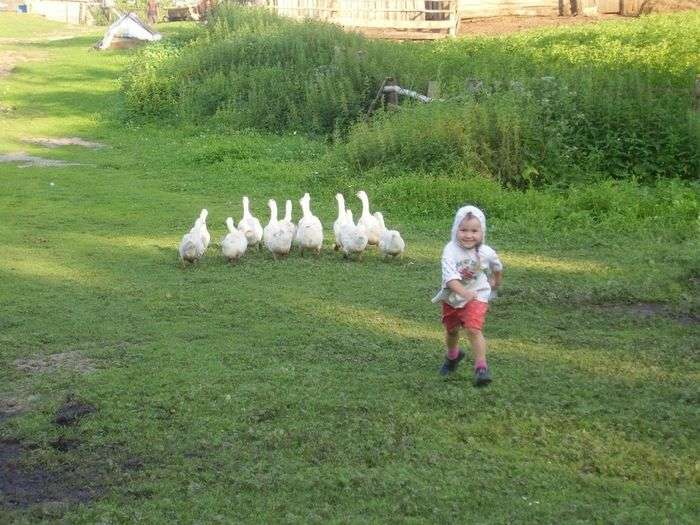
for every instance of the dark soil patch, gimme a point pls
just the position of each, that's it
(10, 449)
(50, 491)
(652, 311)
(72, 411)
(64, 444)
(132, 464)
(23, 485)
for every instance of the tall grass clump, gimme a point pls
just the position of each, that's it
(497, 138)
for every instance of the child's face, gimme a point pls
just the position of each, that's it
(469, 233)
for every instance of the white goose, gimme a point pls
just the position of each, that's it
(287, 221)
(340, 220)
(367, 220)
(353, 238)
(203, 232)
(234, 245)
(390, 241)
(191, 247)
(277, 238)
(309, 229)
(250, 225)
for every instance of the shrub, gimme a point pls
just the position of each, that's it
(151, 88)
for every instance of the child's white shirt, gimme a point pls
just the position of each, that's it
(469, 269)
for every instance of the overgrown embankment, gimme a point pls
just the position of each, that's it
(553, 106)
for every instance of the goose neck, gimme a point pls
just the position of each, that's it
(365, 204)
(341, 205)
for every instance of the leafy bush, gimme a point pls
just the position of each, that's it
(150, 86)
(546, 107)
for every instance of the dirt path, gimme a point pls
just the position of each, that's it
(504, 25)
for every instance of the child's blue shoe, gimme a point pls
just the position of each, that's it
(450, 365)
(482, 377)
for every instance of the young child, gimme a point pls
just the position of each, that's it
(470, 270)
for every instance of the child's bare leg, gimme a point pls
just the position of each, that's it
(454, 355)
(478, 344)
(452, 342)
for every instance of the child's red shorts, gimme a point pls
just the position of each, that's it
(472, 315)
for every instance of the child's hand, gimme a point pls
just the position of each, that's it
(470, 295)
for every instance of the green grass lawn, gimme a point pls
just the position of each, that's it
(306, 390)
(29, 26)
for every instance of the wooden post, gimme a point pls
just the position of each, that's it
(433, 89)
(391, 99)
(696, 94)
(454, 12)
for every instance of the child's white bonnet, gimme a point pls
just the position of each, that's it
(462, 213)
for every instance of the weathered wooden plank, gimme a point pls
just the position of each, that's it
(395, 24)
(631, 7)
(609, 6)
(484, 8)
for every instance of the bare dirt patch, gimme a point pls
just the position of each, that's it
(64, 141)
(73, 361)
(63, 444)
(32, 161)
(504, 25)
(652, 311)
(72, 411)
(47, 491)
(10, 59)
(22, 484)
(12, 406)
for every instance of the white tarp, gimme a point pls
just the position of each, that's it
(128, 26)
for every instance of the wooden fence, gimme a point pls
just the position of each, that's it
(435, 18)
(431, 18)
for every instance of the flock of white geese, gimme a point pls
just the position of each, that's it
(352, 238)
